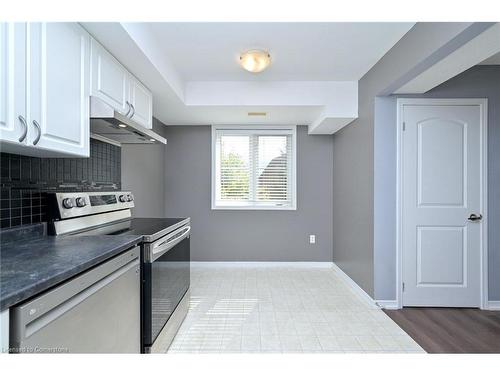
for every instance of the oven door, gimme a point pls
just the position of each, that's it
(166, 277)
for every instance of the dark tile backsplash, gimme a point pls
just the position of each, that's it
(24, 180)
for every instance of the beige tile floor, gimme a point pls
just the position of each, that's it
(238, 309)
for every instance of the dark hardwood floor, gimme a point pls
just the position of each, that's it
(450, 330)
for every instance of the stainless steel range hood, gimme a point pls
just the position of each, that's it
(105, 125)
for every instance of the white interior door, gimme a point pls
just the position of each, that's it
(441, 188)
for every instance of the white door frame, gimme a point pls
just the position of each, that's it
(483, 104)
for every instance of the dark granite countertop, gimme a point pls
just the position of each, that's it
(36, 262)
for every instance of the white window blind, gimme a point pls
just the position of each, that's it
(253, 168)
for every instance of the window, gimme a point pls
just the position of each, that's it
(253, 168)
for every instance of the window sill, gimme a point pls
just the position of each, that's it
(254, 208)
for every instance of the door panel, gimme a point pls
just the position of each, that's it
(142, 100)
(12, 81)
(440, 256)
(441, 170)
(59, 76)
(441, 187)
(109, 79)
(58, 79)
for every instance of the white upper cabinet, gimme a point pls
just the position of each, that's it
(46, 84)
(110, 80)
(58, 75)
(117, 87)
(13, 125)
(141, 101)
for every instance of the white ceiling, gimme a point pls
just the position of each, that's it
(299, 51)
(192, 68)
(493, 60)
(193, 71)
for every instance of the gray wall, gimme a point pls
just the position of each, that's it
(143, 173)
(477, 82)
(384, 204)
(352, 202)
(220, 235)
(353, 167)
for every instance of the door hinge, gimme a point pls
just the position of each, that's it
(404, 126)
(403, 287)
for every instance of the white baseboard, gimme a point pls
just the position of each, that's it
(388, 304)
(262, 264)
(393, 305)
(355, 287)
(493, 305)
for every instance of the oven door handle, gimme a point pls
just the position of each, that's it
(157, 250)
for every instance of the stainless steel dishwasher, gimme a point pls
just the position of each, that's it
(96, 312)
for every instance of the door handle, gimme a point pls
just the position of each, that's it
(37, 126)
(25, 128)
(173, 239)
(474, 217)
(129, 108)
(133, 110)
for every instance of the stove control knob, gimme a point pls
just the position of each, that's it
(122, 198)
(67, 203)
(80, 202)
(130, 198)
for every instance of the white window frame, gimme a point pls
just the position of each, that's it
(251, 129)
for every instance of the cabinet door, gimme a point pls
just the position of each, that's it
(13, 83)
(109, 79)
(58, 81)
(142, 101)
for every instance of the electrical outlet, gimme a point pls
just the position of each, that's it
(312, 238)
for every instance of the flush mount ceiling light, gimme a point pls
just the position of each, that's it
(255, 61)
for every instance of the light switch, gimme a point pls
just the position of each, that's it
(312, 238)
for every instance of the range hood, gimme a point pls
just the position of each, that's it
(105, 125)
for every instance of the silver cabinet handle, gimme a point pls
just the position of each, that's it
(25, 128)
(128, 108)
(133, 111)
(37, 126)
